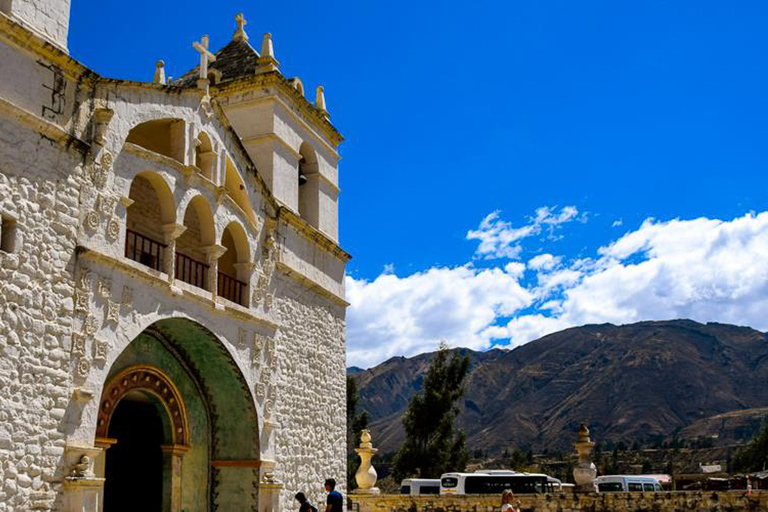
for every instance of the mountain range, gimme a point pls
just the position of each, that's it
(643, 381)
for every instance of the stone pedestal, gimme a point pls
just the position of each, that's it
(585, 472)
(82, 488)
(366, 474)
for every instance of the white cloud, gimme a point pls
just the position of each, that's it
(544, 262)
(617, 223)
(404, 316)
(499, 239)
(704, 269)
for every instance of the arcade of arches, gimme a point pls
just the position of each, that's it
(178, 425)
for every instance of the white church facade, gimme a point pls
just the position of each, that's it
(172, 328)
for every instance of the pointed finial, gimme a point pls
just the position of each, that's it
(240, 34)
(267, 60)
(320, 100)
(266, 46)
(160, 72)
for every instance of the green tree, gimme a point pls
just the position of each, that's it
(356, 422)
(432, 445)
(753, 456)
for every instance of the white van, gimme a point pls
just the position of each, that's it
(420, 486)
(627, 483)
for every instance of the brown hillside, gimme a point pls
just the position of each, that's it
(636, 381)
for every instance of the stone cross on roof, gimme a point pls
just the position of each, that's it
(240, 34)
(205, 56)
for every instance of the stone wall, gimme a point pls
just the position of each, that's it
(311, 442)
(676, 501)
(39, 189)
(49, 18)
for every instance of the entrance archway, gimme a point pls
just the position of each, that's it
(142, 417)
(138, 431)
(178, 373)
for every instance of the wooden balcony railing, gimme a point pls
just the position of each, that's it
(231, 289)
(191, 271)
(144, 250)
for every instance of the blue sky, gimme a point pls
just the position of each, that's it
(614, 111)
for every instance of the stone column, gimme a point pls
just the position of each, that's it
(366, 474)
(584, 472)
(172, 456)
(212, 255)
(171, 232)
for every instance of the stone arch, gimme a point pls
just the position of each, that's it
(205, 157)
(219, 466)
(163, 136)
(309, 206)
(235, 187)
(234, 264)
(191, 263)
(153, 206)
(154, 381)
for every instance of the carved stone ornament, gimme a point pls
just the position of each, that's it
(107, 204)
(99, 176)
(92, 220)
(113, 229)
(258, 344)
(127, 297)
(106, 161)
(78, 344)
(104, 287)
(82, 300)
(100, 350)
(260, 392)
(83, 368)
(90, 325)
(84, 282)
(81, 468)
(268, 408)
(113, 312)
(242, 335)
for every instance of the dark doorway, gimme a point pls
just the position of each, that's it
(134, 465)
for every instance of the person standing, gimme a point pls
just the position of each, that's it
(304, 505)
(508, 502)
(335, 501)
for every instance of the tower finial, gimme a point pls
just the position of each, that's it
(267, 49)
(267, 60)
(320, 100)
(160, 72)
(240, 34)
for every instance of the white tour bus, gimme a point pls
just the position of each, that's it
(627, 483)
(419, 486)
(495, 482)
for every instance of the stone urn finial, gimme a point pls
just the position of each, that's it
(584, 472)
(366, 474)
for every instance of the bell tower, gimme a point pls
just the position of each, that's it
(47, 18)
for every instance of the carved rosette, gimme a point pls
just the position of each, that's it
(113, 228)
(150, 380)
(92, 220)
